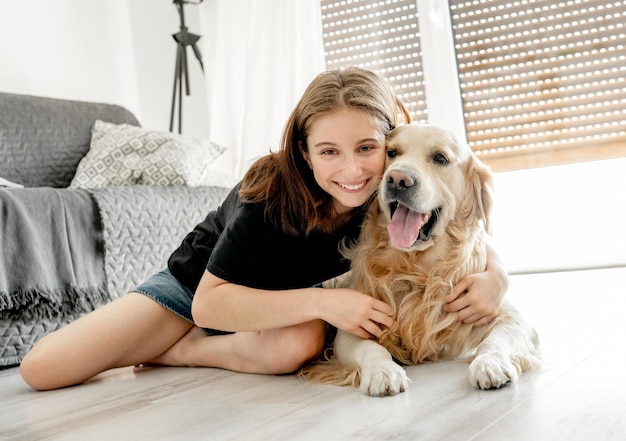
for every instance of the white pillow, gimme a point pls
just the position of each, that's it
(122, 154)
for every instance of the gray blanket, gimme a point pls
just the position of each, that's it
(51, 259)
(86, 247)
(82, 248)
(143, 225)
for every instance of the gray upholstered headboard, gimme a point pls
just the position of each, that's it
(42, 140)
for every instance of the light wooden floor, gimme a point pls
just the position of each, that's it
(579, 394)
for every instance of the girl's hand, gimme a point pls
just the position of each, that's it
(357, 313)
(478, 298)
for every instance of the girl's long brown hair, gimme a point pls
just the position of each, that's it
(284, 181)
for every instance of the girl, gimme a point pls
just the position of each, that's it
(242, 291)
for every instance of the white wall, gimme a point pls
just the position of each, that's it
(68, 49)
(114, 51)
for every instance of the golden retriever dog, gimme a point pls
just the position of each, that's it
(424, 233)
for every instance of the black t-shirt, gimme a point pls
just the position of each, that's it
(238, 244)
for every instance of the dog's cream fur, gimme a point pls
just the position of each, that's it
(429, 172)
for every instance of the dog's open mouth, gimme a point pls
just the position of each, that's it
(408, 226)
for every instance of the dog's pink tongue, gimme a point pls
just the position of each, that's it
(405, 225)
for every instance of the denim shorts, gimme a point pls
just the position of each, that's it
(167, 291)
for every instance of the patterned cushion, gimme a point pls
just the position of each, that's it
(121, 154)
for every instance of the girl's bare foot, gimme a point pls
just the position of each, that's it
(179, 353)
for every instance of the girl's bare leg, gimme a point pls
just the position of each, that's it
(125, 332)
(276, 351)
(134, 329)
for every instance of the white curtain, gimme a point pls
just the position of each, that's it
(259, 56)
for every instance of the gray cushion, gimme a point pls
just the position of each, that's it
(42, 140)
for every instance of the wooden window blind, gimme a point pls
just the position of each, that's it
(382, 36)
(542, 82)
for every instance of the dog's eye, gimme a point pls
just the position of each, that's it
(392, 153)
(440, 158)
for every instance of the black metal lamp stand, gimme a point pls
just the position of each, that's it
(183, 39)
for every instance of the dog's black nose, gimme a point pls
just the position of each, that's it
(400, 179)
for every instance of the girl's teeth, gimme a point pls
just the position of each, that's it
(353, 187)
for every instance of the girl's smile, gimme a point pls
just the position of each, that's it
(353, 187)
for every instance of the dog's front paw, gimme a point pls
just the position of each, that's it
(492, 371)
(383, 378)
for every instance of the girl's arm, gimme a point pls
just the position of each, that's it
(219, 304)
(477, 298)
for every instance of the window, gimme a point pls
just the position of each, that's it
(541, 82)
(382, 36)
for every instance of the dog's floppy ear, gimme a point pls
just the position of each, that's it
(479, 198)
